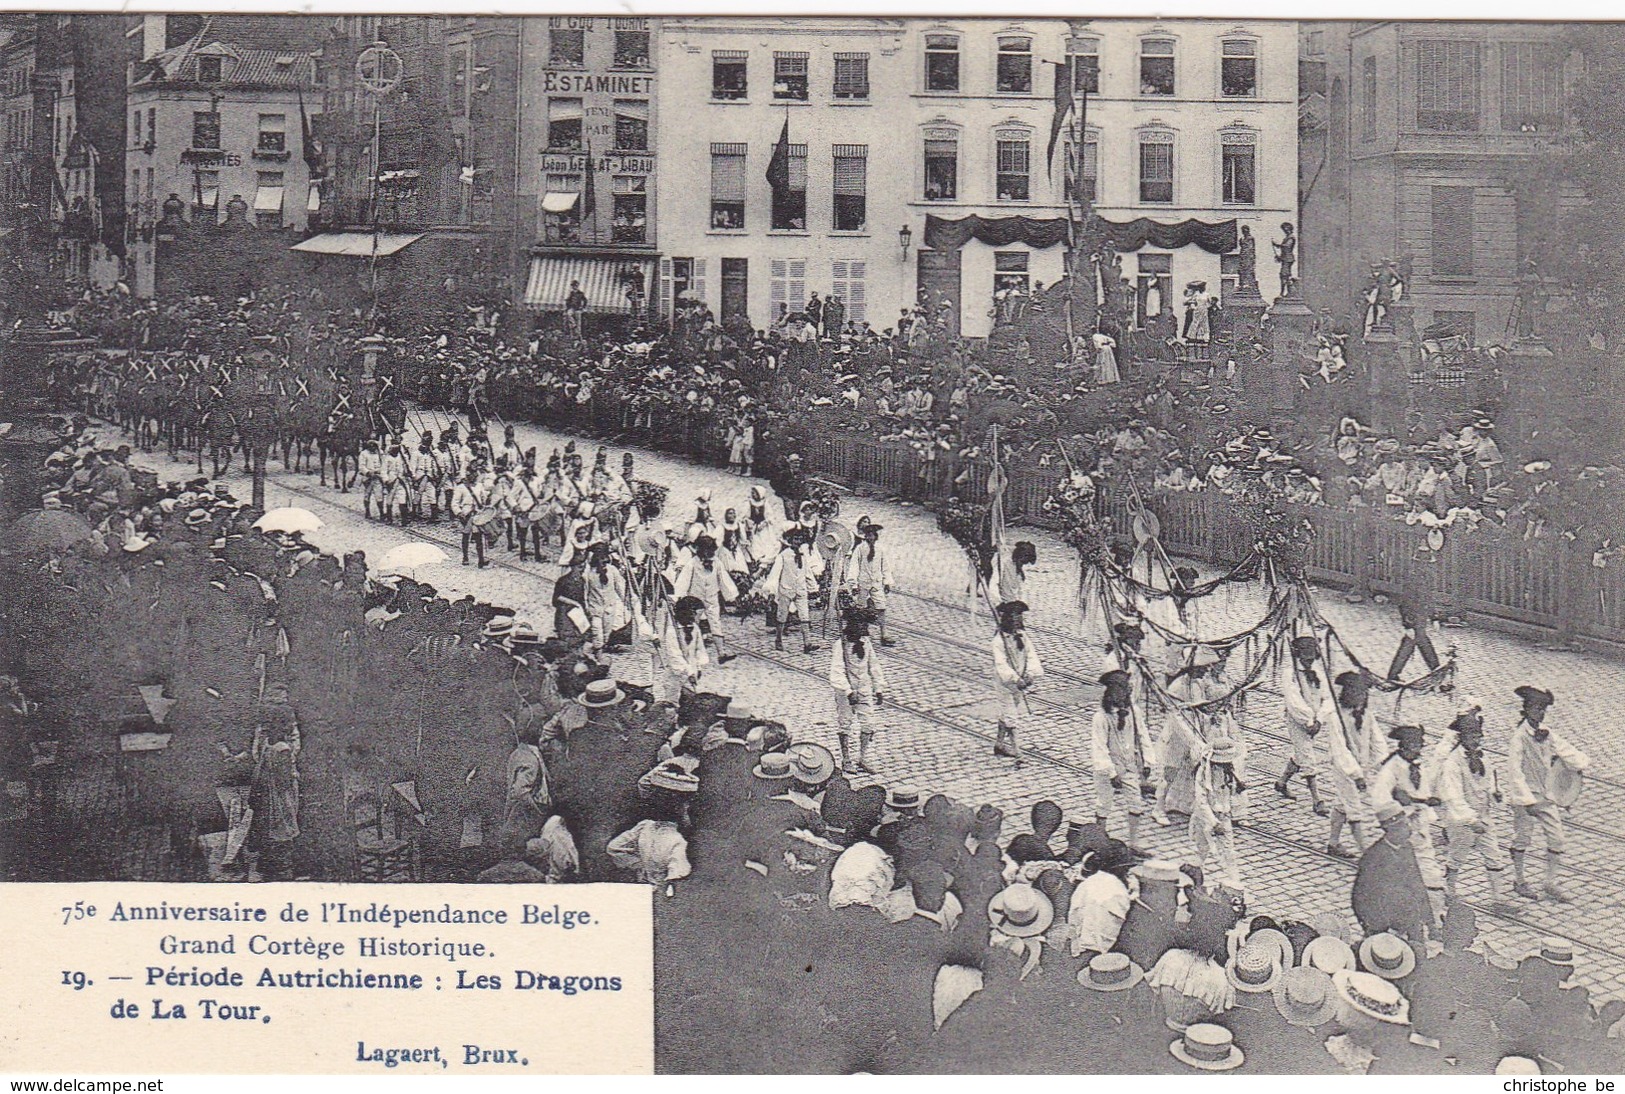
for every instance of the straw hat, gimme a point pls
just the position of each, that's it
(1256, 967)
(1020, 911)
(774, 766)
(1517, 1065)
(499, 626)
(1305, 997)
(601, 693)
(1372, 996)
(1110, 972)
(1208, 1047)
(811, 763)
(1329, 954)
(1556, 951)
(1388, 956)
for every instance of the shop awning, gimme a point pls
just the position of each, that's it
(555, 202)
(268, 199)
(603, 279)
(357, 244)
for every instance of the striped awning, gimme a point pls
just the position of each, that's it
(357, 244)
(603, 280)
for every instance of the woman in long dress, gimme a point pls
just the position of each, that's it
(1106, 359)
(275, 790)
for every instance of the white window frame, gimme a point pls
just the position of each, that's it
(959, 61)
(939, 132)
(1157, 135)
(1240, 135)
(1014, 134)
(1139, 66)
(1032, 62)
(1258, 67)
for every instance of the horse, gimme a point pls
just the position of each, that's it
(341, 439)
(300, 422)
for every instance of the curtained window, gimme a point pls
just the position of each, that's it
(630, 195)
(851, 186)
(1157, 66)
(631, 125)
(1013, 180)
(1238, 68)
(941, 62)
(728, 74)
(564, 125)
(790, 77)
(1447, 82)
(1531, 87)
(1015, 68)
(851, 76)
(1156, 169)
(728, 186)
(1238, 169)
(941, 170)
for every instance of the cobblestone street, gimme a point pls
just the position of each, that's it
(937, 722)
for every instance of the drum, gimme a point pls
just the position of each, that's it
(485, 516)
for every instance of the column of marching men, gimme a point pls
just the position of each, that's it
(630, 575)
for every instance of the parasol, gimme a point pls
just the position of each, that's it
(289, 520)
(52, 530)
(408, 557)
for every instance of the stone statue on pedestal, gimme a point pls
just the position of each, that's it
(1247, 264)
(1286, 255)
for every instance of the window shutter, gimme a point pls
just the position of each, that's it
(777, 288)
(1452, 231)
(798, 167)
(698, 278)
(857, 304)
(667, 307)
(851, 169)
(728, 172)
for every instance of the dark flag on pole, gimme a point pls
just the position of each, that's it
(778, 168)
(1063, 107)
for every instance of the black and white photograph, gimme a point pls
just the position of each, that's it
(1041, 544)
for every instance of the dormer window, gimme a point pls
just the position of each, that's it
(208, 70)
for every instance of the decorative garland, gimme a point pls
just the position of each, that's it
(1281, 540)
(969, 525)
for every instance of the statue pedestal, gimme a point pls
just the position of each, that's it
(1290, 325)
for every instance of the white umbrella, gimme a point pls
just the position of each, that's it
(289, 521)
(408, 557)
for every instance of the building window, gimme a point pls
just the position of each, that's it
(1447, 76)
(631, 199)
(1531, 87)
(941, 169)
(1156, 169)
(1085, 57)
(1317, 43)
(1015, 74)
(941, 62)
(1239, 169)
(1157, 66)
(1452, 231)
(1229, 275)
(564, 125)
(851, 187)
(566, 47)
(728, 74)
(561, 209)
(268, 199)
(1010, 272)
(152, 124)
(686, 281)
(273, 133)
(847, 284)
(1238, 68)
(790, 202)
(135, 130)
(205, 129)
(728, 186)
(787, 285)
(632, 125)
(1153, 286)
(1013, 179)
(206, 193)
(1091, 172)
(208, 70)
(1368, 98)
(631, 49)
(851, 76)
(790, 77)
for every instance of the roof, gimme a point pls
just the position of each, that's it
(238, 67)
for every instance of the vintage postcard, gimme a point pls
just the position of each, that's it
(880, 544)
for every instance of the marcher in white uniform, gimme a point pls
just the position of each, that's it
(870, 578)
(1016, 668)
(1401, 779)
(1468, 787)
(860, 684)
(1212, 825)
(1532, 752)
(1115, 732)
(1309, 709)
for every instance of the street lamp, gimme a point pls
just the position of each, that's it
(905, 236)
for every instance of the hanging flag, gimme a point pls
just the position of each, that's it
(1063, 108)
(778, 168)
(588, 198)
(309, 146)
